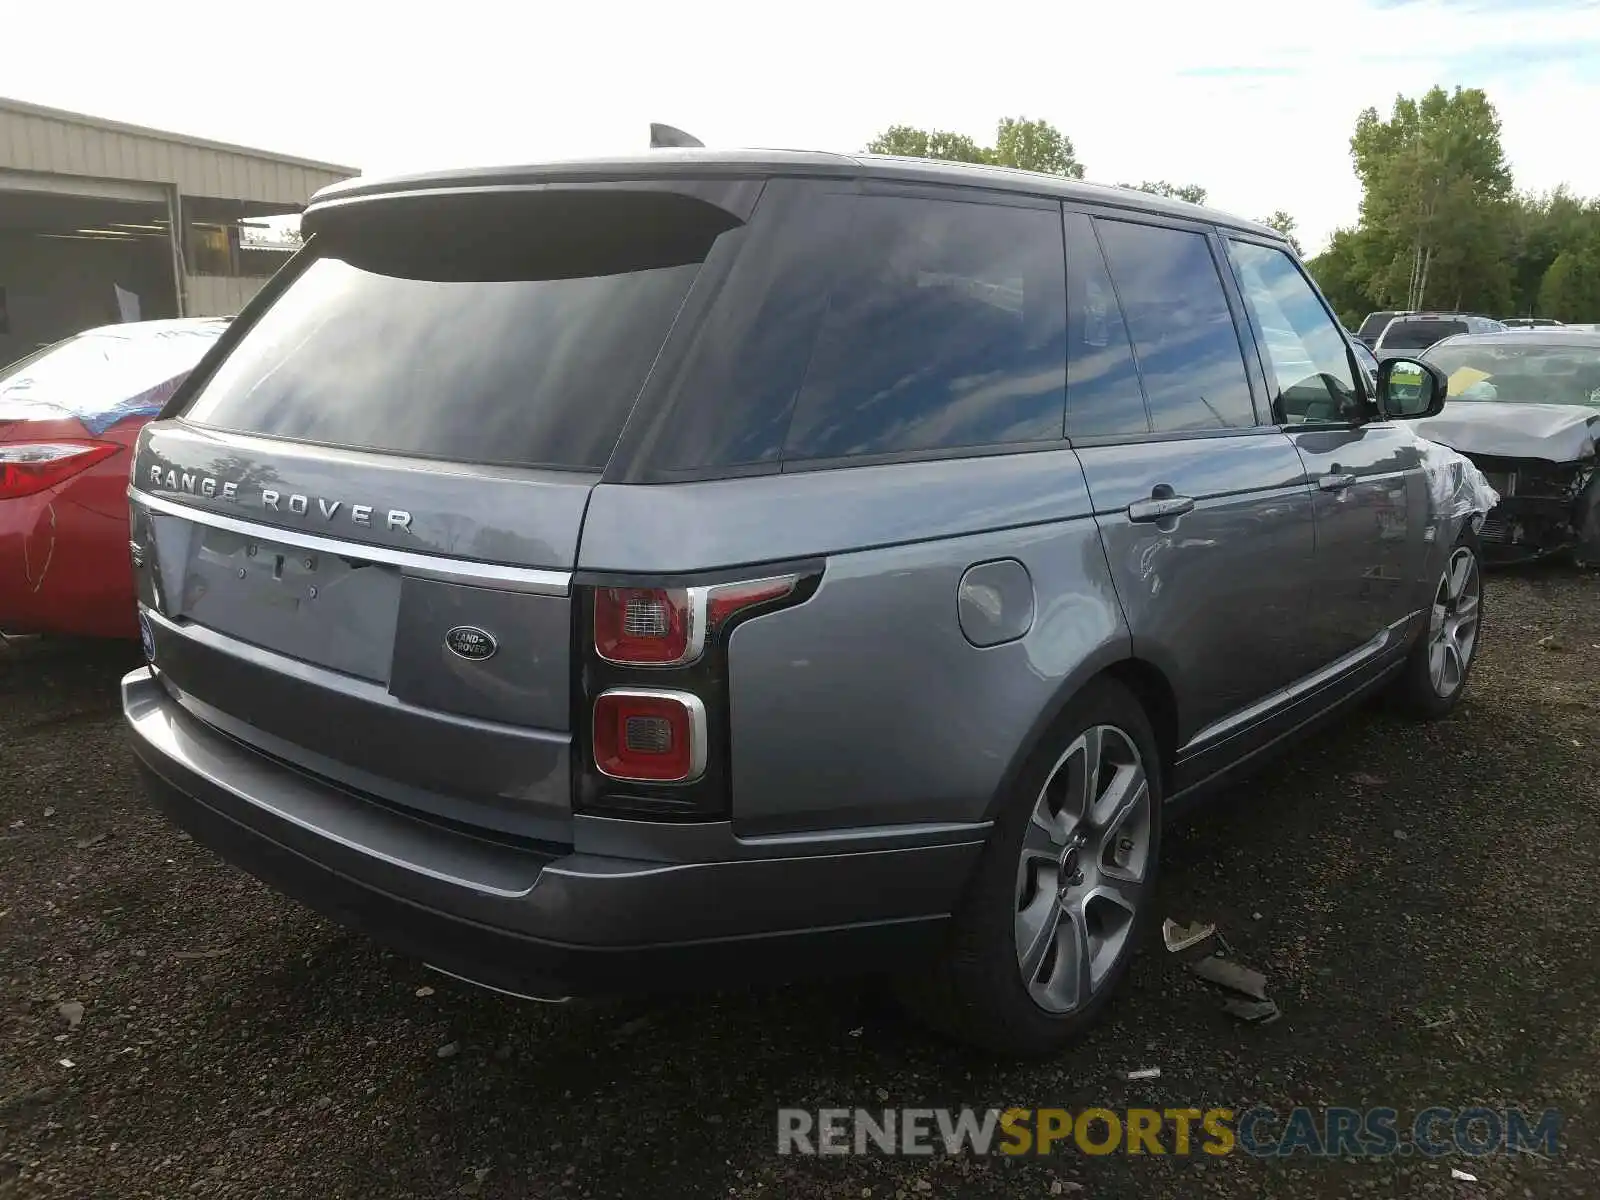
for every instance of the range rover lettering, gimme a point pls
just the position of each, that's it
(716, 567)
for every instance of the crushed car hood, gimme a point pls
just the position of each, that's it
(1557, 433)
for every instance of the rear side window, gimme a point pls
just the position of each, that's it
(1183, 333)
(946, 328)
(1103, 393)
(1419, 335)
(495, 336)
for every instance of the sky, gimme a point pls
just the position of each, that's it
(1255, 100)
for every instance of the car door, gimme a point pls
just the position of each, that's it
(1203, 509)
(1368, 494)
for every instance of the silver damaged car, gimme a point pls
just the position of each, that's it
(711, 567)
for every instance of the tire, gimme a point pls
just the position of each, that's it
(1435, 675)
(1032, 1002)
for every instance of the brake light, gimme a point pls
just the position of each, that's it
(650, 736)
(29, 467)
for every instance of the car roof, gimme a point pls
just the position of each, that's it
(701, 163)
(1548, 337)
(134, 330)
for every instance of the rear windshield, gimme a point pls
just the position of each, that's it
(104, 378)
(1419, 335)
(473, 339)
(1373, 325)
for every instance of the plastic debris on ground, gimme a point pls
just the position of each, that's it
(1181, 937)
(1232, 976)
(1253, 1012)
(1458, 1173)
(1143, 1073)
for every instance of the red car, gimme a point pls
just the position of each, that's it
(69, 415)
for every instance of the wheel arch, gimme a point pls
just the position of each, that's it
(1147, 683)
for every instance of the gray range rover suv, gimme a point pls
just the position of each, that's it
(714, 567)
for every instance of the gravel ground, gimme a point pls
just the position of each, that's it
(1423, 900)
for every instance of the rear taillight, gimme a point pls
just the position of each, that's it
(646, 626)
(654, 693)
(667, 627)
(649, 735)
(29, 467)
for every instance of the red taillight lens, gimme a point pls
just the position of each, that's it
(650, 736)
(29, 467)
(729, 598)
(643, 626)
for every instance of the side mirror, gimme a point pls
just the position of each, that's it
(1408, 389)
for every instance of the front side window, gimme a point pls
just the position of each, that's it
(945, 329)
(1183, 333)
(1309, 360)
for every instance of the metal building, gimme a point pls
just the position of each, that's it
(101, 222)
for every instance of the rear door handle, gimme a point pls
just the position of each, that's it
(1158, 507)
(1336, 482)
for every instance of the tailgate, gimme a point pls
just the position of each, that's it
(359, 527)
(355, 614)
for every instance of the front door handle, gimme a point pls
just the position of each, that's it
(1336, 482)
(1159, 507)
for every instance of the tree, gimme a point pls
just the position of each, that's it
(1192, 192)
(1019, 142)
(910, 142)
(1435, 187)
(1035, 146)
(1570, 290)
(1284, 224)
(1540, 228)
(1341, 273)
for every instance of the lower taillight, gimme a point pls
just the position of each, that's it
(29, 467)
(649, 736)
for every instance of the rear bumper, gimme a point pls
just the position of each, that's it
(64, 565)
(538, 920)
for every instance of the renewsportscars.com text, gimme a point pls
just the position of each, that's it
(1260, 1132)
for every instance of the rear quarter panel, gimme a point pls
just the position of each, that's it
(867, 705)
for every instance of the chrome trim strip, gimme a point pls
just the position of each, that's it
(1285, 696)
(425, 566)
(489, 987)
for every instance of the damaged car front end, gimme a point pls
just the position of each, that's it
(1525, 407)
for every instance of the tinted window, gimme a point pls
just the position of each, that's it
(1183, 334)
(396, 351)
(1306, 352)
(730, 398)
(1419, 335)
(1103, 393)
(946, 328)
(1374, 323)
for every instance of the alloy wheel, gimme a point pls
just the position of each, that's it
(1085, 856)
(1453, 623)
